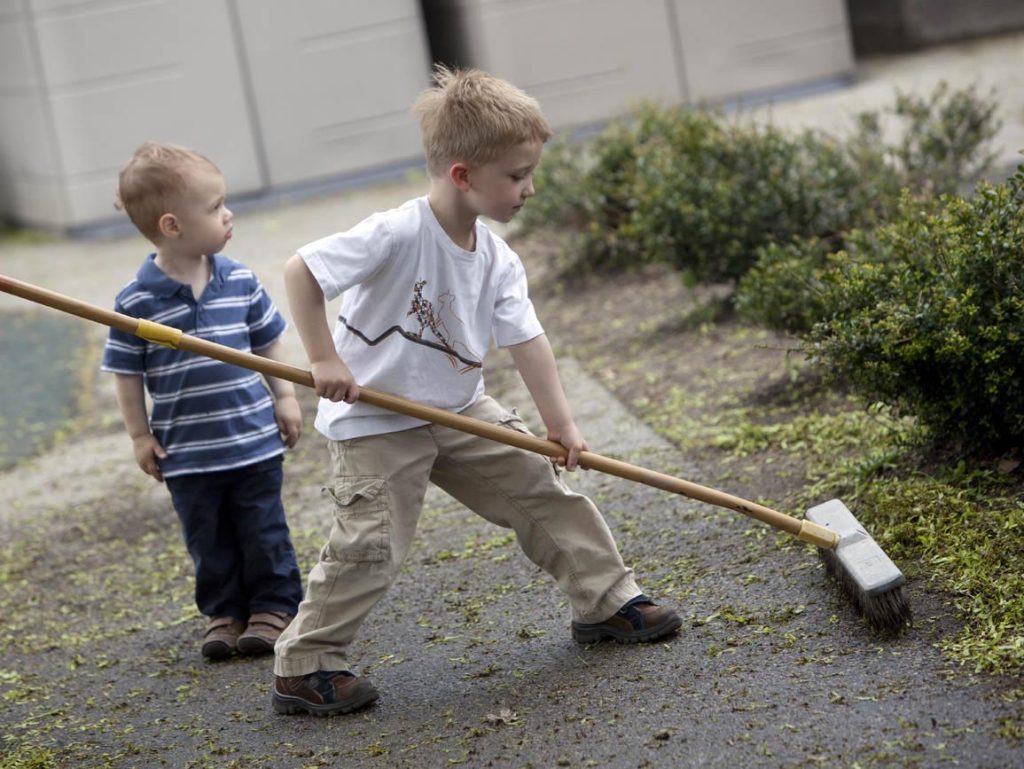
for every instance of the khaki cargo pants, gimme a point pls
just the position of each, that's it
(379, 485)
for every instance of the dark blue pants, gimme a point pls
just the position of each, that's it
(235, 530)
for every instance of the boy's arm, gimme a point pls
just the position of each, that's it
(332, 377)
(536, 364)
(131, 399)
(286, 406)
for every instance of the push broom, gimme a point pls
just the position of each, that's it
(863, 570)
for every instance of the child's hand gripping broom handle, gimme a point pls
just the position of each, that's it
(806, 531)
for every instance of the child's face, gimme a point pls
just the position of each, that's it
(203, 218)
(498, 189)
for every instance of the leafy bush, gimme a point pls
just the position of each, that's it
(784, 290)
(589, 188)
(707, 210)
(704, 194)
(940, 148)
(689, 188)
(927, 314)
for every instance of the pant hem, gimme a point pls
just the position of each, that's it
(303, 666)
(610, 602)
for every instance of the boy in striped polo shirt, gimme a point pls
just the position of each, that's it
(216, 436)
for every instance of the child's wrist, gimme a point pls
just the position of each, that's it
(561, 428)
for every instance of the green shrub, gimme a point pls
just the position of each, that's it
(705, 194)
(927, 314)
(787, 289)
(941, 146)
(689, 188)
(588, 188)
(939, 149)
(784, 290)
(708, 214)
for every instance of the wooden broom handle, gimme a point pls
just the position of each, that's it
(805, 530)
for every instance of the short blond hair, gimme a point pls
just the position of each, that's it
(154, 178)
(472, 117)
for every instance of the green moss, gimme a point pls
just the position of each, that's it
(18, 756)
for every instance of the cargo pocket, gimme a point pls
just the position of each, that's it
(361, 531)
(513, 421)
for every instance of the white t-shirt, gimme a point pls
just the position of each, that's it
(418, 313)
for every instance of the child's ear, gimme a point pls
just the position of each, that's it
(168, 226)
(459, 175)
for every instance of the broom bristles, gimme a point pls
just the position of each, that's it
(864, 573)
(886, 611)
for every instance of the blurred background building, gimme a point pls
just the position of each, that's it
(292, 96)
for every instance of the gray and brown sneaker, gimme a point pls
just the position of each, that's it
(262, 632)
(322, 693)
(640, 619)
(221, 637)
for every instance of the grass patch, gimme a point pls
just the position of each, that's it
(969, 537)
(19, 756)
(958, 524)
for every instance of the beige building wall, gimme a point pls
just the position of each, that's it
(332, 83)
(95, 79)
(584, 60)
(588, 60)
(286, 93)
(732, 48)
(275, 93)
(29, 166)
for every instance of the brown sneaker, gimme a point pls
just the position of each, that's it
(640, 619)
(261, 634)
(221, 637)
(322, 693)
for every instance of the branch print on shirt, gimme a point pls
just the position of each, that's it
(433, 319)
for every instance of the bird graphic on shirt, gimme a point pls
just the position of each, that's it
(429, 318)
(423, 309)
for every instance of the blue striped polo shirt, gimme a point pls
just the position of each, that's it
(209, 416)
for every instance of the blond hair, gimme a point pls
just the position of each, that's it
(154, 178)
(472, 117)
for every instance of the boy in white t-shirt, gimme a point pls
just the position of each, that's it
(426, 287)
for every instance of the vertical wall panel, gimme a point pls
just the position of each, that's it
(31, 188)
(584, 60)
(333, 85)
(736, 47)
(116, 74)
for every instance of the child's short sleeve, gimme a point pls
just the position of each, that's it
(346, 259)
(515, 321)
(265, 322)
(124, 353)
